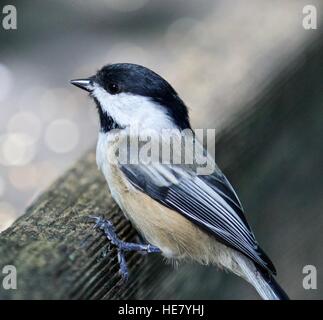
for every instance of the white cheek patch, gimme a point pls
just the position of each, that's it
(133, 110)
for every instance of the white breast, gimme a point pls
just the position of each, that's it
(104, 159)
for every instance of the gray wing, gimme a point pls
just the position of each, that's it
(208, 201)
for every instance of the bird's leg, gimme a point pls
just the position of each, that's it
(107, 227)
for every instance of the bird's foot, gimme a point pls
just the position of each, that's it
(107, 227)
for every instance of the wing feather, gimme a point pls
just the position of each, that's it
(208, 201)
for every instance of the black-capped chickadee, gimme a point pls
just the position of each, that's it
(180, 213)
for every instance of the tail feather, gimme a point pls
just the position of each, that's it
(275, 287)
(263, 282)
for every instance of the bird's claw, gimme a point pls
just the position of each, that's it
(107, 227)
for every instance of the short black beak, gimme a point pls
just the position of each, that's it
(85, 84)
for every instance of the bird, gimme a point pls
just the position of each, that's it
(178, 212)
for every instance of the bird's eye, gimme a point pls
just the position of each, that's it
(113, 88)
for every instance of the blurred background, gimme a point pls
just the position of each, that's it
(220, 55)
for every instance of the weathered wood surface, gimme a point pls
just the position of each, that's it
(271, 151)
(59, 255)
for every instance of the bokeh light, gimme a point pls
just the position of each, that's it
(16, 149)
(23, 178)
(62, 136)
(48, 104)
(26, 123)
(32, 177)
